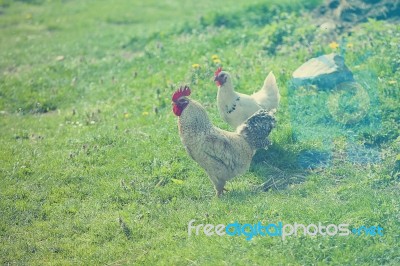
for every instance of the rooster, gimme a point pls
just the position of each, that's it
(222, 154)
(236, 107)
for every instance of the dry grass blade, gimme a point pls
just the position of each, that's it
(279, 179)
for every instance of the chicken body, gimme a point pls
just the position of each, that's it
(223, 155)
(236, 107)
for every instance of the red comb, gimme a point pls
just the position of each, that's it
(218, 71)
(182, 91)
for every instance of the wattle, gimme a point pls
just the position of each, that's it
(177, 110)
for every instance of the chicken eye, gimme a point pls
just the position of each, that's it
(181, 101)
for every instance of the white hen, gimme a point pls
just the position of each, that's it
(235, 108)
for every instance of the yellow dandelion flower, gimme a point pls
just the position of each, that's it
(214, 56)
(349, 45)
(217, 61)
(196, 66)
(333, 45)
(126, 115)
(145, 113)
(177, 181)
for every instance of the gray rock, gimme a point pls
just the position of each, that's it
(325, 72)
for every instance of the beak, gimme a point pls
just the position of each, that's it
(217, 81)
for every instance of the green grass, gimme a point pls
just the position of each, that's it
(92, 167)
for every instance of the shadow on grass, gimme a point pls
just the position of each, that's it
(281, 168)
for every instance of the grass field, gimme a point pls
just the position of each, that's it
(92, 168)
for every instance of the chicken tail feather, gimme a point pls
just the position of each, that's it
(257, 128)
